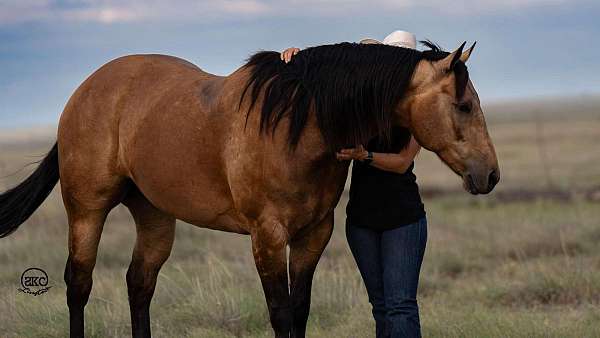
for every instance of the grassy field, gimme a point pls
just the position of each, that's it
(522, 262)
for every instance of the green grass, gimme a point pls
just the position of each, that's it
(492, 269)
(527, 269)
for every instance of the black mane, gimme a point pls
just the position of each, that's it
(353, 89)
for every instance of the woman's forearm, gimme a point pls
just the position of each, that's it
(397, 163)
(400, 162)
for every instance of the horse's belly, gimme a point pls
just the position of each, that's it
(192, 200)
(199, 196)
(175, 160)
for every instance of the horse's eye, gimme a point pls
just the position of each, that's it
(464, 107)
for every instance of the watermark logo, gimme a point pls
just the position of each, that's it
(34, 281)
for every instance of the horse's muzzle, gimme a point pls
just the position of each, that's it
(481, 182)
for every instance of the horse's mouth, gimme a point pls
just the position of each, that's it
(469, 184)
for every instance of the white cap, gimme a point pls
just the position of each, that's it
(401, 39)
(396, 38)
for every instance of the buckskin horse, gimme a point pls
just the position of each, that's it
(250, 153)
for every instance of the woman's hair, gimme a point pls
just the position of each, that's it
(353, 89)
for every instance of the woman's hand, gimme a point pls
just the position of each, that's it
(287, 54)
(359, 153)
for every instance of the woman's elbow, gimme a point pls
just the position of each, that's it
(401, 168)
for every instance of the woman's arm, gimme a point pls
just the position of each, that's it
(393, 162)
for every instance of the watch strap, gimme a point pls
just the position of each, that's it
(369, 158)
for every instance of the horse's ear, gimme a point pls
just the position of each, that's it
(467, 54)
(447, 64)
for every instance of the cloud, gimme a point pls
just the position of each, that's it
(104, 15)
(111, 11)
(15, 11)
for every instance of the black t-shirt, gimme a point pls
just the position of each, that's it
(383, 200)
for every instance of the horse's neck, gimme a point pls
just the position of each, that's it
(311, 150)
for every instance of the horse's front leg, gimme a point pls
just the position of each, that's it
(305, 252)
(269, 242)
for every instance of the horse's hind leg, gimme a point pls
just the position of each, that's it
(84, 234)
(155, 234)
(87, 204)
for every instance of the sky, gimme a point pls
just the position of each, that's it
(525, 48)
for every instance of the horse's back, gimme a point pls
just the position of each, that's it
(153, 120)
(116, 89)
(112, 102)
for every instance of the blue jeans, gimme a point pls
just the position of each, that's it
(389, 263)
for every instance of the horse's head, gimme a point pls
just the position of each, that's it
(443, 112)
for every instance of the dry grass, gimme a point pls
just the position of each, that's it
(524, 269)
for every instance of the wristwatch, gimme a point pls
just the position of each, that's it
(369, 158)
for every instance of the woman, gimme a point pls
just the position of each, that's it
(386, 225)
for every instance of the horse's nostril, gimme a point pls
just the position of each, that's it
(493, 178)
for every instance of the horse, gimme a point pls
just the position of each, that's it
(251, 153)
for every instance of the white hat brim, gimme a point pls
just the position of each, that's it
(369, 41)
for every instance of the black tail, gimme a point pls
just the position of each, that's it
(18, 203)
